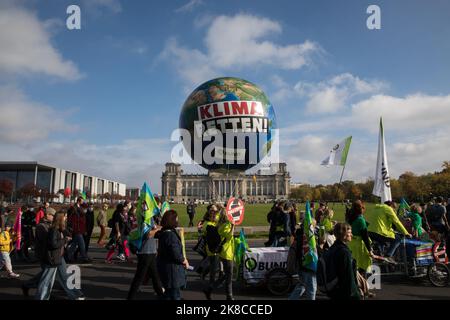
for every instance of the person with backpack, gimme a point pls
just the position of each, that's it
(438, 217)
(212, 237)
(308, 283)
(337, 269)
(280, 226)
(5, 249)
(120, 230)
(220, 242)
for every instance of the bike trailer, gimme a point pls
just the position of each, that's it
(421, 251)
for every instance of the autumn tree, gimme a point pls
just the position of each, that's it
(6, 189)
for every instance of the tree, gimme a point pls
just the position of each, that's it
(446, 167)
(355, 193)
(396, 190)
(6, 188)
(316, 194)
(409, 185)
(44, 194)
(28, 191)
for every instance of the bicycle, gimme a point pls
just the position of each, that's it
(417, 259)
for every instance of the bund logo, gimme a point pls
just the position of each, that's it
(250, 264)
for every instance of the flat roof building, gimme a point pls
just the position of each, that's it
(53, 179)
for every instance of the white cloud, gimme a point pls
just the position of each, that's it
(130, 161)
(416, 129)
(237, 41)
(234, 42)
(26, 46)
(413, 113)
(23, 121)
(333, 95)
(192, 65)
(188, 7)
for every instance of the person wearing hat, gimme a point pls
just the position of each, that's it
(40, 248)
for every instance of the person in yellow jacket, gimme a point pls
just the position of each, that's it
(380, 222)
(5, 249)
(224, 253)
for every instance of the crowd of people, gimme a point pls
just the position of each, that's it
(347, 248)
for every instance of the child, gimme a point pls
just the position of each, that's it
(5, 249)
(326, 228)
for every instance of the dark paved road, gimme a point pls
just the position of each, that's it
(104, 281)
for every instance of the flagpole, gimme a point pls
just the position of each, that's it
(342, 174)
(340, 181)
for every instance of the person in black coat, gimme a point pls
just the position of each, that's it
(171, 263)
(345, 267)
(89, 225)
(52, 261)
(27, 223)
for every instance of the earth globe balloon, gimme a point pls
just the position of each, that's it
(231, 121)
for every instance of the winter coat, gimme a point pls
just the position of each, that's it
(170, 259)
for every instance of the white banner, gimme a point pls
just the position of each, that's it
(258, 261)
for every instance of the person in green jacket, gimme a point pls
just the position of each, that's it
(416, 220)
(326, 225)
(380, 229)
(360, 245)
(226, 255)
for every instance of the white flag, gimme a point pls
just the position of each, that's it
(338, 155)
(382, 185)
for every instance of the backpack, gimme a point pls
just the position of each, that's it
(213, 239)
(327, 279)
(436, 214)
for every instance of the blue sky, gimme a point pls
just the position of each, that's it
(105, 99)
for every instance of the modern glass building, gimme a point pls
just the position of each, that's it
(52, 179)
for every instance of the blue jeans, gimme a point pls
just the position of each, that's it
(394, 245)
(307, 284)
(172, 294)
(49, 274)
(77, 241)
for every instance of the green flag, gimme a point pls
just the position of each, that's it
(338, 155)
(145, 210)
(310, 257)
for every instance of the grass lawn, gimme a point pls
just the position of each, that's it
(255, 214)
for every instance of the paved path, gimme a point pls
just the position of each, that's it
(103, 281)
